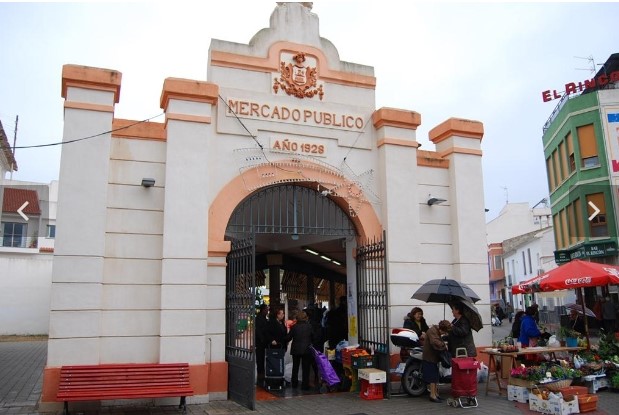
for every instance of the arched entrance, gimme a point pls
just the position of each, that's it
(294, 240)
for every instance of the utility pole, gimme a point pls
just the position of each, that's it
(14, 141)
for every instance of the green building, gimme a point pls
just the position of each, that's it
(581, 148)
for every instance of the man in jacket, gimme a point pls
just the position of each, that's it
(260, 328)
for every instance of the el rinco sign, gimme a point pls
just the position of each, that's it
(573, 87)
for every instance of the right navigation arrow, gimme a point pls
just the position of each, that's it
(595, 211)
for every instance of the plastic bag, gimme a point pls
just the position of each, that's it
(288, 372)
(553, 342)
(482, 373)
(444, 372)
(578, 361)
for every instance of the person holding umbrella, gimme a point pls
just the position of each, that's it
(576, 323)
(461, 334)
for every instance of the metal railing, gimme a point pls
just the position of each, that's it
(20, 242)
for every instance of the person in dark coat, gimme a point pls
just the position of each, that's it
(276, 330)
(415, 321)
(577, 322)
(301, 336)
(260, 327)
(516, 325)
(461, 334)
(432, 348)
(337, 323)
(529, 333)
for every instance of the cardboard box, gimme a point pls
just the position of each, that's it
(517, 393)
(373, 375)
(599, 383)
(553, 406)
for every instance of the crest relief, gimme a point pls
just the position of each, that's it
(297, 78)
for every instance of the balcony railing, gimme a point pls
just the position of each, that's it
(20, 242)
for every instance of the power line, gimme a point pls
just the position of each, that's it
(86, 138)
(242, 124)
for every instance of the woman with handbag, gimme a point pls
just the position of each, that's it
(432, 349)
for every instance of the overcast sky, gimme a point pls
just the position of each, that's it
(481, 61)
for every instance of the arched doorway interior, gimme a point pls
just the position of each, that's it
(292, 239)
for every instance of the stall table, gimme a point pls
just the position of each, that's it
(512, 356)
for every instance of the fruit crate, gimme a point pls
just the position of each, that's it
(362, 361)
(587, 403)
(371, 391)
(347, 355)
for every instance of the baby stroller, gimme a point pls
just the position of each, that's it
(328, 377)
(463, 380)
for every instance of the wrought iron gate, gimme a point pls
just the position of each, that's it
(373, 299)
(240, 315)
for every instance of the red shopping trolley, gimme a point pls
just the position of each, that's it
(463, 380)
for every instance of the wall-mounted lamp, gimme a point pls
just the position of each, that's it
(148, 182)
(294, 236)
(435, 200)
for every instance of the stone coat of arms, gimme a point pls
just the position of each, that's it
(298, 79)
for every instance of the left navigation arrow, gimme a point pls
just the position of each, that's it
(20, 210)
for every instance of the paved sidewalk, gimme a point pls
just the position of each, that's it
(22, 363)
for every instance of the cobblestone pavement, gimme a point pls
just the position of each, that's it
(22, 363)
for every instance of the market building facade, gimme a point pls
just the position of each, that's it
(169, 229)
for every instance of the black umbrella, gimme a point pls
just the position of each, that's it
(472, 314)
(445, 291)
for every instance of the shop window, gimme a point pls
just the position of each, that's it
(588, 146)
(597, 225)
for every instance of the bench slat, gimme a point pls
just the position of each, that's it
(123, 394)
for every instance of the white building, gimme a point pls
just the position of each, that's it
(168, 228)
(526, 256)
(27, 231)
(517, 219)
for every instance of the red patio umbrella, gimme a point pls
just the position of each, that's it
(574, 274)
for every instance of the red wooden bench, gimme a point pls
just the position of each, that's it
(123, 381)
